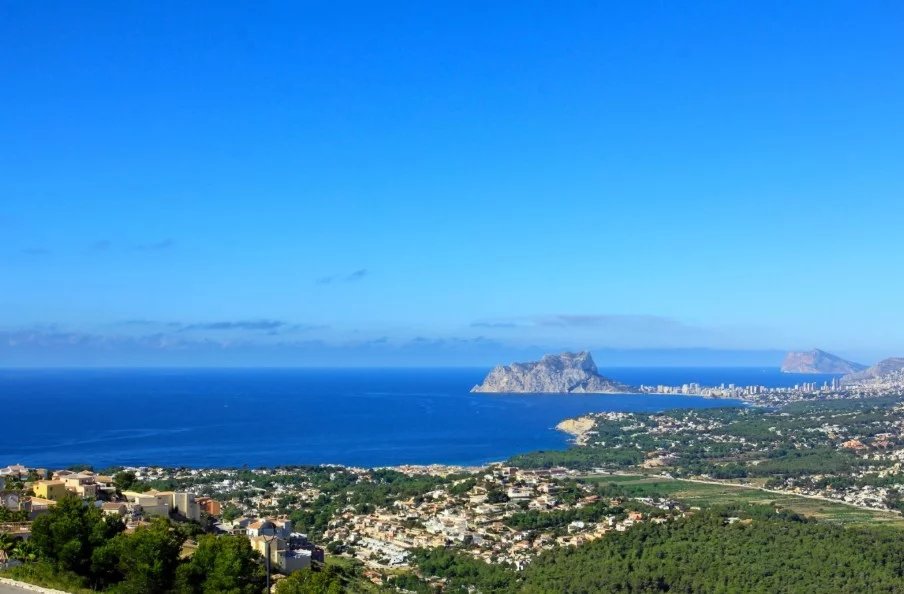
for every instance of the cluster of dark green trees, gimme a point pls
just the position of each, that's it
(331, 580)
(766, 553)
(579, 458)
(546, 520)
(76, 545)
(758, 550)
(8, 515)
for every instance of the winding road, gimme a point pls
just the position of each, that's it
(10, 587)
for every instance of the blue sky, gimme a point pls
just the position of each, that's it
(448, 183)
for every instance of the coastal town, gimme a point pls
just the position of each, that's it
(508, 513)
(451, 298)
(577, 373)
(884, 379)
(841, 441)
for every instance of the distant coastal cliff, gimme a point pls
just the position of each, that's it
(882, 369)
(817, 361)
(567, 373)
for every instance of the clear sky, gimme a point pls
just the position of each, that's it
(447, 182)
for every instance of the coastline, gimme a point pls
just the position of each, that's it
(575, 425)
(579, 428)
(434, 421)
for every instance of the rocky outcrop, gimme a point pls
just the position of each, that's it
(568, 373)
(886, 367)
(580, 428)
(817, 361)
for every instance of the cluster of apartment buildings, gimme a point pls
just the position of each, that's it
(46, 488)
(886, 385)
(288, 551)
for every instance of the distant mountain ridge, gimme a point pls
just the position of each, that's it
(818, 361)
(881, 369)
(566, 373)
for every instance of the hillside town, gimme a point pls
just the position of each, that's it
(504, 514)
(847, 450)
(480, 513)
(478, 510)
(501, 513)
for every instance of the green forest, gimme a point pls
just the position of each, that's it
(757, 550)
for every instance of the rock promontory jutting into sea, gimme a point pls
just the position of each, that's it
(567, 373)
(818, 361)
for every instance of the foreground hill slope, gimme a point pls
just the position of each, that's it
(566, 373)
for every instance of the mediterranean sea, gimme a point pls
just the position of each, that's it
(267, 417)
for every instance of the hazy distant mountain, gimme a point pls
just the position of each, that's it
(880, 369)
(568, 373)
(817, 361)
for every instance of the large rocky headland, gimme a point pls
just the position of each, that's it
(818, 361)
(566, 373)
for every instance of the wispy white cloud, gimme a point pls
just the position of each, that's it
(610, 330)
(155, 246)
(254, 326)
(35, 251)
(52, 345)
(639, 321)
(351, 277)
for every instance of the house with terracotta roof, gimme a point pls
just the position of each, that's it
(210, 506)
(853, 444)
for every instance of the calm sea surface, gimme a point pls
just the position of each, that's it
(366, 417)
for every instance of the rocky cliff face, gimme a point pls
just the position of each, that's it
(883, 368)
(568, 373)
(817, 361)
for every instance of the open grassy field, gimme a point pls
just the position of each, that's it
(703, 495)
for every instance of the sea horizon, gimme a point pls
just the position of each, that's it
(361, 417)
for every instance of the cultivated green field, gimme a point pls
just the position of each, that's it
(703, 495)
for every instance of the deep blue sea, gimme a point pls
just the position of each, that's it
(365, 417)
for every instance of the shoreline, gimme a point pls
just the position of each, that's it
(580, 428)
